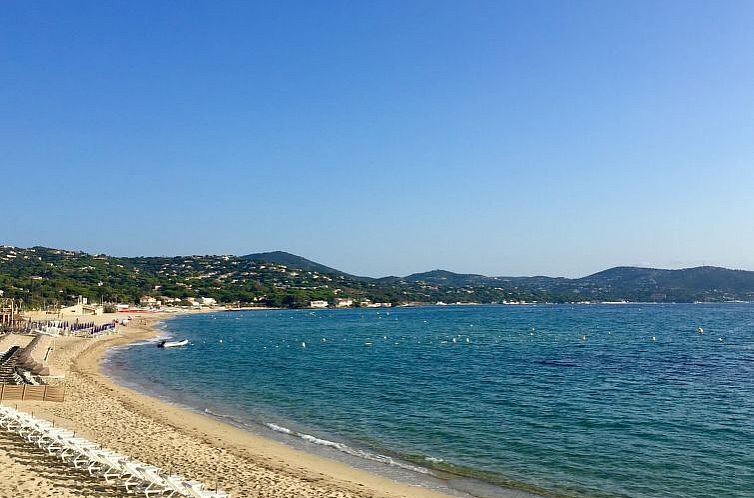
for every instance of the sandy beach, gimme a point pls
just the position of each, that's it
(178, 440)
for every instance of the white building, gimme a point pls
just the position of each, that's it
(318, 304)
(82, 309)
(343, 302)
(148, 301)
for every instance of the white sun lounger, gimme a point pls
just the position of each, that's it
(195, 490)
(157, 483)
(106, 464)
(134, 473)
(83, 454)
(73, 447)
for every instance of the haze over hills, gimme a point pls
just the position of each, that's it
(42, 276)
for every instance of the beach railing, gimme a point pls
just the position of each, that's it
(32, 393)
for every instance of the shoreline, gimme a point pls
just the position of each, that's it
(197, 445)
(294, 434)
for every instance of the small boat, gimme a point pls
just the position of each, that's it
(172, 344)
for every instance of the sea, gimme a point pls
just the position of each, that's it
(609, 400)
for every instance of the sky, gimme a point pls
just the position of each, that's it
(383, 138)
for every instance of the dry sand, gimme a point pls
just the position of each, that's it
(171, 438)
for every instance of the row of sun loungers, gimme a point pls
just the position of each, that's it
(64, 327)
(134, 476)
(29, 362)
(8, 360)
(34, 357)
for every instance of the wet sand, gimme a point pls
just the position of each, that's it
(172, 438)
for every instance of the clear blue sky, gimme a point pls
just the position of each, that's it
(388, 137)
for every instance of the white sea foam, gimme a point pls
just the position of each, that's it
(278, 428)
(347, 449)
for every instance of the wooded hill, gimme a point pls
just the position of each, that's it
(42, 276)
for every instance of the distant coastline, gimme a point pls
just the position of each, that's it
(53, 279)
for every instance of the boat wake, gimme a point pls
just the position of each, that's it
(147, 342)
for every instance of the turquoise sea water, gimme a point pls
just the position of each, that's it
(566, 400)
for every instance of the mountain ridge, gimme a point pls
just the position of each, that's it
(277, 278)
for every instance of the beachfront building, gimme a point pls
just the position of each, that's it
(318, 304)
(378, 305)
(207, 301)
(82, 309)
(343, 302)
(148, 301)
(10, 314)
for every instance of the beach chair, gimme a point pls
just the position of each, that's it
(106, 464)
(133, 474)
(195, 490)
(81, 452)
(16, 421)
(8, 421)
(5, 412)
(72, 447)
(36, 429)
(175, 485)
(86, 455)
(49, 437)
(54, 441)
(156, 484)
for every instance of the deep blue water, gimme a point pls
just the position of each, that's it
(587, 400)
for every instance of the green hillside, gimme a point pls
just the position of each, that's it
(40, 277)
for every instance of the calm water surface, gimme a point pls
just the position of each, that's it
(588, 400)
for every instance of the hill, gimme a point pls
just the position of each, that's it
(444, 277)
(42, 276)
(701, 278)
(292, 261)
(697, 284)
